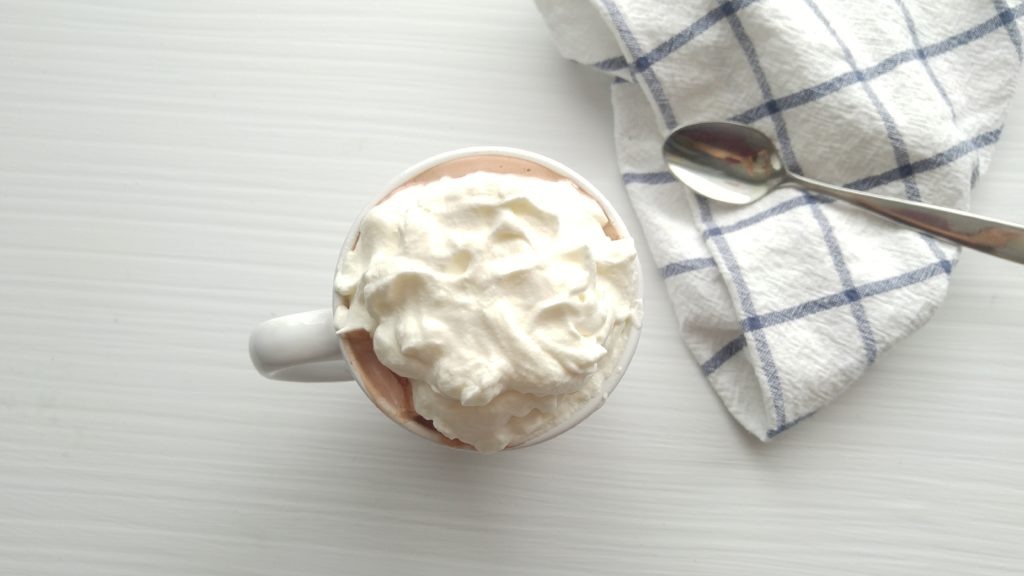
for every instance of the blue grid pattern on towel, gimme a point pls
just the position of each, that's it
(641, 68)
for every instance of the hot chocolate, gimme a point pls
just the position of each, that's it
(486, 301)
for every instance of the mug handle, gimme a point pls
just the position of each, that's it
(299, 347)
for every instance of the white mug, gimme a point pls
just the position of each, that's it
(305, 347)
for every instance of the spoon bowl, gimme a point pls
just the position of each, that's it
(736, 164)
(723, 161)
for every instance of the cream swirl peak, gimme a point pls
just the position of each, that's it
(502, 299)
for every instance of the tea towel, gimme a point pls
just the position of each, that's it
(786, 302)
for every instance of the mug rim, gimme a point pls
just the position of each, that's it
(629, 347)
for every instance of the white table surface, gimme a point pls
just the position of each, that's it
(171, 174)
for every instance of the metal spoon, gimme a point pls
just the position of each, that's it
(737, 164)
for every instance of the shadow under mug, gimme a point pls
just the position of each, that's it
(305, 347)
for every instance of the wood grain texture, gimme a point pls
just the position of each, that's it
(172, 174)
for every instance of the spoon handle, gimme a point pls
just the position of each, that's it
(994, 237)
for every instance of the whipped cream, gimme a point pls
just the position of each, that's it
(499, 297)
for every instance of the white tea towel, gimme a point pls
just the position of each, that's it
(785, 302)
